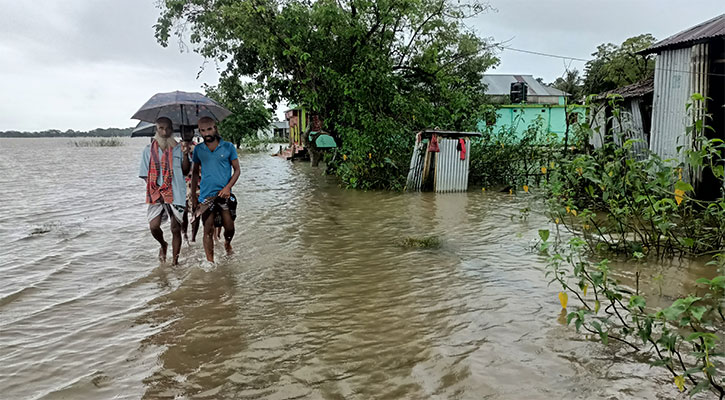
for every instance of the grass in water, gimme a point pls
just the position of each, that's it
(103, 142)
(425, 242)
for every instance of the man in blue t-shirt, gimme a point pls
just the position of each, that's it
(216, 159)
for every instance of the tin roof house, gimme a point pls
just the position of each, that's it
(633, 120)
(689, 62)
(516, 112)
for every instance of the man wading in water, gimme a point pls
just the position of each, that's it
(216, 159)
(164, 164)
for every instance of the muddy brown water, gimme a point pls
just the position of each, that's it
(320, 300)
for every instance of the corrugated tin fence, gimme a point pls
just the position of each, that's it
(442, 171)
(451, 173)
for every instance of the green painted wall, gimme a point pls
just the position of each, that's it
(520, 117)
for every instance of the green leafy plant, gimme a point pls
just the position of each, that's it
(685, 337)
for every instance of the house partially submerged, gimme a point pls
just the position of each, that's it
(622, 114)
(543, 105)
(692, 61)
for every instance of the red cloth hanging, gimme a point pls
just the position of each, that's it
(462, 148)
(433, 146)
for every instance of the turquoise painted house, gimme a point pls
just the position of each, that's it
(544, 105)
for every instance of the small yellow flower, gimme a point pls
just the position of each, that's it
(556, 221)
(563, 299)
(680, 382)
(586, 227)
(344, 157)
(511, 191)
(679, 173)
(573, 212)
(370, 155)
(526, 188)
(502, 145)
(679, 196)
(611, 173)
(568, 210)
(483, 189)
(543, 170)
(579, 170)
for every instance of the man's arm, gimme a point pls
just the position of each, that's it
(227, 191)
(195, 183)
(185, 161)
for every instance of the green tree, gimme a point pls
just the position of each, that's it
(570, 83)
(246, 102)
(376, 71)
(616, 66)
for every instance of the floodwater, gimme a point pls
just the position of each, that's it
(320, 300)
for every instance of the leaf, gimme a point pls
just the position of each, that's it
(683, 186)
(637, 301)
(563, 299)
(544, 234)
(604, 336)
(596, 306)
(697, 312)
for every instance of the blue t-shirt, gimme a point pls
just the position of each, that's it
(216, 167)
(178, 184)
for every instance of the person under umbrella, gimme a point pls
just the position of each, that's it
(164, 164)
(217, 161)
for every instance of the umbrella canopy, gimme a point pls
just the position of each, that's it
(148, 129)
(183, 108)
(144, 129)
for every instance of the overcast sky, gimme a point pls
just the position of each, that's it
(84, 64)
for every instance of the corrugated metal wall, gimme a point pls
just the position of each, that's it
(673, 88)
(451, 173)
(415, 173)
(637, 127)
(627, 126)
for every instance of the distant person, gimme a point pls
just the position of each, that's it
(217, 159)
(187, 141)
(164, 164)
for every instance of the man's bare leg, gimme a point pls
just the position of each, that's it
(209, 236)
(158, 234)
(176, 239)
(185, 224)
(194, 229)
(228, 224)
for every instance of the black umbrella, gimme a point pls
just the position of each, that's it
(183, 108)
(147, 129)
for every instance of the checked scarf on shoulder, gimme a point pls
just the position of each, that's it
(154, 192)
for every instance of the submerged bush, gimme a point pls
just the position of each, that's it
(101, 142)
(685, 338)
(425, 242)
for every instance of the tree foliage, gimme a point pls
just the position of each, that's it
(98, 132)
(246, 102)
(374, 70)
(570, 83)
(616, 66)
